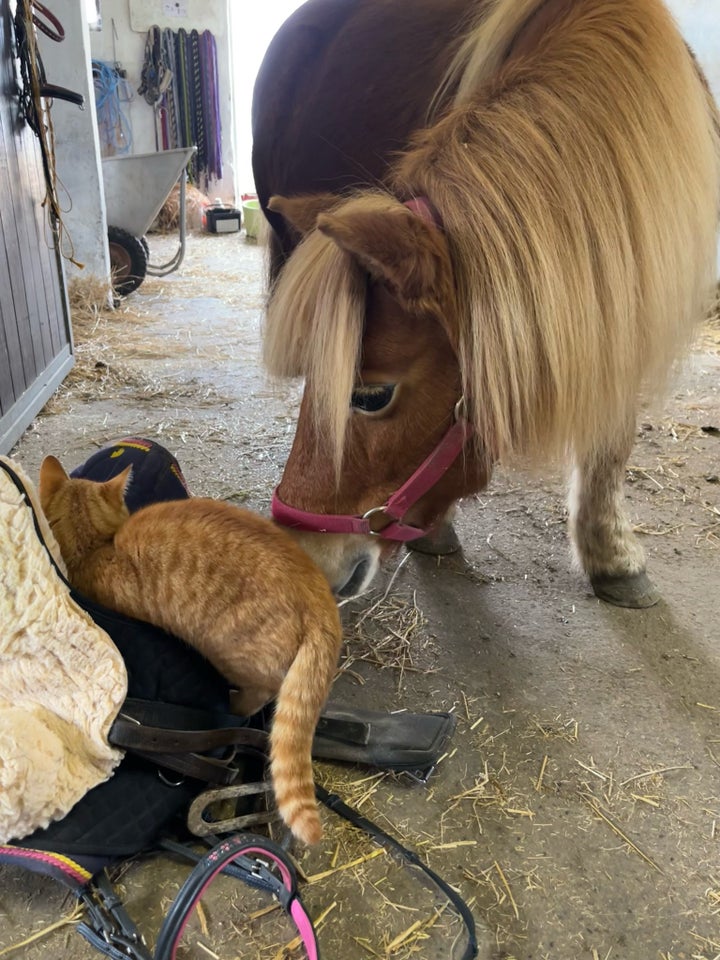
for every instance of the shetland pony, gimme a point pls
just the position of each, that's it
(499, 214)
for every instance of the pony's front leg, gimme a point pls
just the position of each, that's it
(602, 538)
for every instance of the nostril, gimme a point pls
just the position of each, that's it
(355, 582)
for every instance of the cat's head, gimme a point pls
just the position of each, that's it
(83, 514)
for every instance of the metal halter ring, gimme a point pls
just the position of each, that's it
(368, 514)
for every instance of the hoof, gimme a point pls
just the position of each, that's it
(634, 590)
(440, 543)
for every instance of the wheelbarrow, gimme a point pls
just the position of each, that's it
(136, 186)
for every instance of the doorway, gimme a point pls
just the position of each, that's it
(251, 34)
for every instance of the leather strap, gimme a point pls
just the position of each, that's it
(333, 802)
(131, 735)
(223, 772)
(346, 731)
(159, 713)
(50, 26)
(177, 738)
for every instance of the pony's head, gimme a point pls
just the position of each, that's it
(366, 311)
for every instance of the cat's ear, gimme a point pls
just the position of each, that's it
(118, 485)
(52, 478)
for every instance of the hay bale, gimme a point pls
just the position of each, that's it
(169, 217)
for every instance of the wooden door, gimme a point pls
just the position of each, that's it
(35, 334)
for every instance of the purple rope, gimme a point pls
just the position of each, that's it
(191, 105)
(213, 126)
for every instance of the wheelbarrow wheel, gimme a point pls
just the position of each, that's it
(128, 261)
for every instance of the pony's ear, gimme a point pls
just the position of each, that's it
(52, 478)
(397, 246)
(302, 212)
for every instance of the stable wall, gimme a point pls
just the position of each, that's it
(699, 21)
(124, 28)
(35, 337)
(67, 64)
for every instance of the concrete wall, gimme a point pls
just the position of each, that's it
(67, 64)
(124, 27)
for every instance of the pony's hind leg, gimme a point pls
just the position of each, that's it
(602, 538)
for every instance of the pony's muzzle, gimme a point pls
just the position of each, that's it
(349, 561)
(358, 580)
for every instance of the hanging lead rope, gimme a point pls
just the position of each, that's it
(189, 110)
(213, 124)
(198, 105)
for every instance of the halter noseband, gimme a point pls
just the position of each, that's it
(424, 478)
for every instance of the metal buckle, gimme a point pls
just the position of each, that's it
(261, 868)
(368, 514)
(420, 776)
(110, 921)
(265, 872)
(170, 783)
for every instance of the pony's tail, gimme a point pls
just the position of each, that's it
(303, 692)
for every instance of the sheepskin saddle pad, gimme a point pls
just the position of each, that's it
(62, 679)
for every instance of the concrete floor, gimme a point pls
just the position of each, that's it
(578, 808)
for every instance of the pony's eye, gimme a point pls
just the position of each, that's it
(372, 397)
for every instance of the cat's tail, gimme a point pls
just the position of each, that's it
(301, 697)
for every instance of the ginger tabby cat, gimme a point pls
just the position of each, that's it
(230, 584)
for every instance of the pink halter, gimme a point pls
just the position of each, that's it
(424, 479)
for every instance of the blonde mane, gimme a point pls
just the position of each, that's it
(482, 52)
(581, 261)
(313, 329)
(578, 189)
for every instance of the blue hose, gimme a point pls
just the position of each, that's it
(111, 91)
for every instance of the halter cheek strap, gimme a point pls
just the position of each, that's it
(425, 477)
